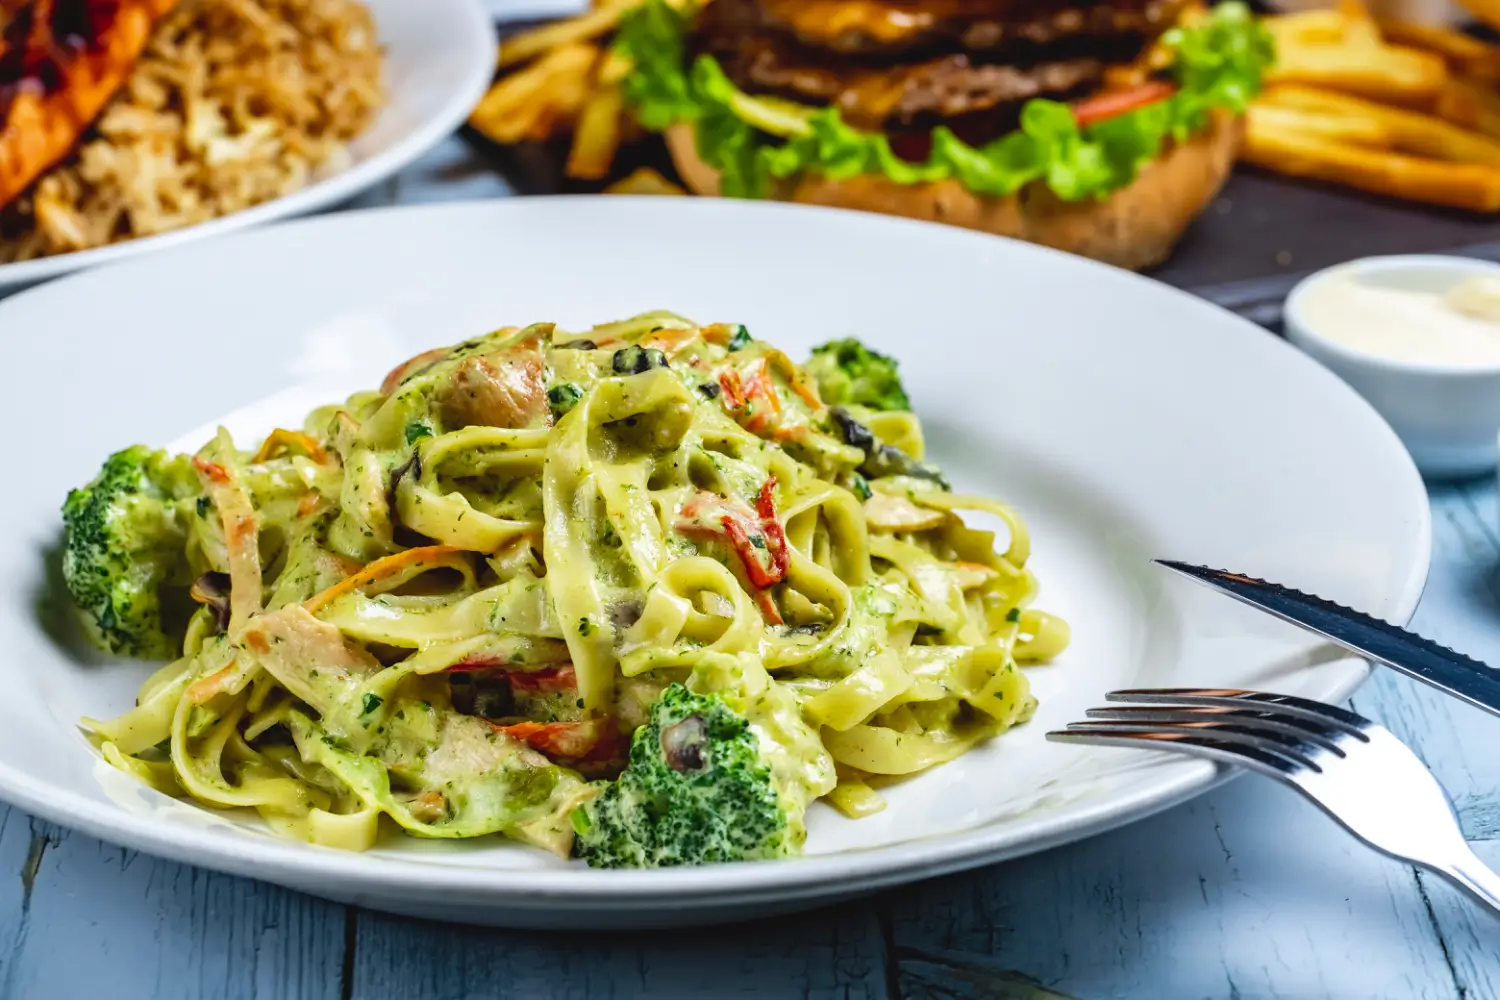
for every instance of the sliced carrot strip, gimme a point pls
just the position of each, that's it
(242, 535)
(670, 342)
(281, 438)
(796, 379)
(385, 567)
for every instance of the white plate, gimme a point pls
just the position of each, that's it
(1126, 421)
(439, 56)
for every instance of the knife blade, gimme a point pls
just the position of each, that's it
(1449, 671)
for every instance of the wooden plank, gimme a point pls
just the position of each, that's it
(1285, 904)
(836, 953)
(1460, 609)
(16, 844)
(1467, 931)
(86, 919)
(1247, 891)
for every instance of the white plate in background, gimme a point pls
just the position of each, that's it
(1124, 419)
(539, 10)
(439, 57)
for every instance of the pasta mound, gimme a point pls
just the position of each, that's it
(234, 103)
(640, 593)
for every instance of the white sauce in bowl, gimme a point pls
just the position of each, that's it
(1428, 314)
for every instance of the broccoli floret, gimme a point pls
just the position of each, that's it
(695, 791)
(849, 373)
(124, 541)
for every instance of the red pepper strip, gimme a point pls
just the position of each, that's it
(475, 665)
(548, 680)
(768, 608)
(734, 392)
(586, 739)
(760, 386)
(775, 536)
(765, 506)
(760, 576)
(1115, 103)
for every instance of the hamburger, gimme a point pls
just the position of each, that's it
(1100, 127)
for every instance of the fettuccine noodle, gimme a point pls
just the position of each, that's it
(450, 601)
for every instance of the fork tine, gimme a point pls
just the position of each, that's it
(1292, 748)
(1248, 719)
(1225, 751)
(1329, 715)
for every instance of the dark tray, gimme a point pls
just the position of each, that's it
(1264, 233)
(1257, 239)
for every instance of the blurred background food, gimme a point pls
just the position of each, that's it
(1393, 107)
(1102, 127)
(1397, 99)
(128, 118)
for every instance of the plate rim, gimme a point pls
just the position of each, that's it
(480, 40)
(320, 869)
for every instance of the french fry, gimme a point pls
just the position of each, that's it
(532, 103)
(530, 44)
(1344, 49)
(1298, 154)
(1318, 27)
(597, 138)
(1407, 131)
(1391, 73)
(1470, 105)
(614, 68)
(1465, 54)
(602, 18)
(644, 180)
(1358, 130)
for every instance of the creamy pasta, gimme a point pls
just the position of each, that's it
(450, 601)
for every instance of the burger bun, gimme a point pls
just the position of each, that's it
(1134, 227)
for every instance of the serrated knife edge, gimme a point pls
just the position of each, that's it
(1449, 671)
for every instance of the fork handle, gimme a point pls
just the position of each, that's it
(1475, 877)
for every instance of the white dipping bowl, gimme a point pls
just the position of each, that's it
(1447, 415)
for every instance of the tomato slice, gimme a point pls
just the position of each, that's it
(1112, 104)
(585, 739)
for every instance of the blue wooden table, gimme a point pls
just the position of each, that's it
(1245, 892)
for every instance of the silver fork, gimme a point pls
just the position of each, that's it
(1354, 769)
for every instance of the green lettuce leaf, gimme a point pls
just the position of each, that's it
(1219, 64)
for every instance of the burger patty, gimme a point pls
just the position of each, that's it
(891, 26)
(904, 95)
